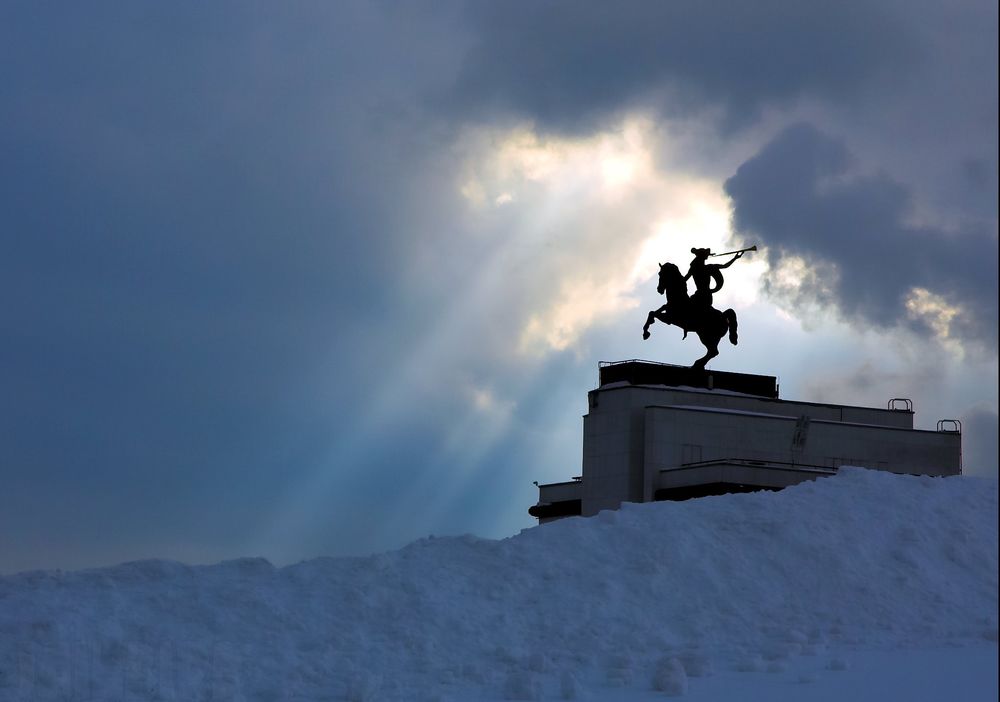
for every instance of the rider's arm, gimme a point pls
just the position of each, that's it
(727, 265)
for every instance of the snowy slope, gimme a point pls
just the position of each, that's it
(701, 597)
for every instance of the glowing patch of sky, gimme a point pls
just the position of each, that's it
(585, 224)
(611, 212)
(668, 210)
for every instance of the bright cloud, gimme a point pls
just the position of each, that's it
(937, 313)
(595, 217)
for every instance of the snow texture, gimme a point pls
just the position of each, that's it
(721, 595)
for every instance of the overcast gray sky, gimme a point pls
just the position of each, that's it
(325, 278)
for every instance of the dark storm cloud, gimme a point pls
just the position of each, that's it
(209, 218)
(566, 63)
(196, 203)
(798, 197)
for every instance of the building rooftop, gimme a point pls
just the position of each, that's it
(637, 372)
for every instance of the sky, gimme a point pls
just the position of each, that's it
(324, 278)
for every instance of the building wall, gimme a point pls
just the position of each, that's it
(615, 429)
(638, 396)
(677, 435)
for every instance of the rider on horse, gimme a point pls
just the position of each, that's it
(704, 274)
(695, 313)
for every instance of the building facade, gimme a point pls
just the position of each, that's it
(661, 432)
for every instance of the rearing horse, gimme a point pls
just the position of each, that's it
(707, 322)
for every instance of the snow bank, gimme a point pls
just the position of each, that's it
(647, 599)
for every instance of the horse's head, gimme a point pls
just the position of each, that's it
(671, 281)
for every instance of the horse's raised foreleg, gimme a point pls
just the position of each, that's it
(660, 314)
(650, 318)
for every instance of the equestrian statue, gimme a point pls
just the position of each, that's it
(695, 313)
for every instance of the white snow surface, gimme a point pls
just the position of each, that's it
(844, 581)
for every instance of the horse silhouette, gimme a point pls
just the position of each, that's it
(704, 320)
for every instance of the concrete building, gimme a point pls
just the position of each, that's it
(660, 432)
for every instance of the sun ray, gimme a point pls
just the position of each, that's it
(585, 223)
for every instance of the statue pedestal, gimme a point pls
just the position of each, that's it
(637, 372)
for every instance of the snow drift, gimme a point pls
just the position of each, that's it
(646, 599)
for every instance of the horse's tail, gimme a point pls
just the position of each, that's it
(730, 317)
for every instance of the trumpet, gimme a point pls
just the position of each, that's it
(752, 248)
